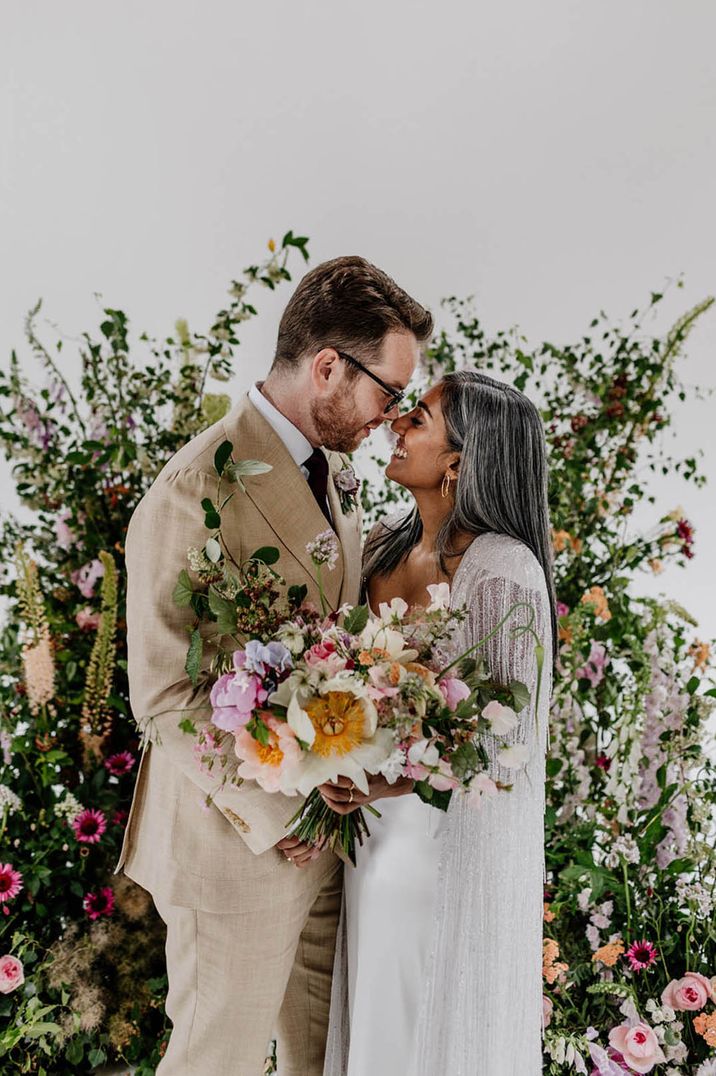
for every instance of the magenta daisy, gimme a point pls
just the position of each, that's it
(120, 763)
(641, 954)
(100, 903)
(89, 826)
(10, 882)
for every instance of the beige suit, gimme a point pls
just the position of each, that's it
(250, 937)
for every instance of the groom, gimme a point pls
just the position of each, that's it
(250, 939)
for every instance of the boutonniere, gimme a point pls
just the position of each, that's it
(347, 485)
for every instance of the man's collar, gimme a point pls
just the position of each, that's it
(297, 444)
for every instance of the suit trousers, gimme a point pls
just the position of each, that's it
(236, 980)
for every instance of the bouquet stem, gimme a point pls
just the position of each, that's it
(318, 824)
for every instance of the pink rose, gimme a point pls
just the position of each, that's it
(234, 697)
(454, 691)
(638, 1045)
(11, 974)
(547, 1009)
(688, 994)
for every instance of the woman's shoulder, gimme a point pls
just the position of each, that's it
(495, 555)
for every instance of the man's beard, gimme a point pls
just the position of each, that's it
(334, 423)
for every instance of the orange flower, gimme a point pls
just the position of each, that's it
(597, 599)
(366, 658)
(656, 566)
(551, 969)
(548, 913)
(700, 652)
(562, 539)
(609, 953)
(706, 1027)
(421, 671)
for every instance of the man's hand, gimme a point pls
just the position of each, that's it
(343, 797)
(300, 853)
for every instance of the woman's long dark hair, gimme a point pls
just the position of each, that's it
(501, 484)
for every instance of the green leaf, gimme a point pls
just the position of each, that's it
(224, 611)
(187, 725)
(183, 591)
(554, 765)
(212, 520)
(259, 730)
(248, 467)
(267, 554)
(356, 620)
(207, 504)
(222, 455)
(192, 665)
(520, 695)
(297, 594)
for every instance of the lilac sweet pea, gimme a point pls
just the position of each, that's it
(256, 657)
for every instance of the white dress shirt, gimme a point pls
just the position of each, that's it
(299, 447)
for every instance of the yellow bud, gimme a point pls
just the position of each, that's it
(271, 245)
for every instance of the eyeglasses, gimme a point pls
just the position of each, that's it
(395, 396)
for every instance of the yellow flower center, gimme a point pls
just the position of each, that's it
(270, 754)
(339, 720)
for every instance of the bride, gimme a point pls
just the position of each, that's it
(438, 965)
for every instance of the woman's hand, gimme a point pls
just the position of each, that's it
(343, 797)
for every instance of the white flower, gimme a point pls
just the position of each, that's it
(583, 899)
(9, 800)
(515, 757)
(439, 597)
(395, 608)
(292, 638)
(502, 718)
(376, 634)
(300, 722)
(68, 808)
(423, 753)
(393, 766)
(706, 1068)
(481, 786)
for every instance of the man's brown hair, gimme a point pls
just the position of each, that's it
(350, 304)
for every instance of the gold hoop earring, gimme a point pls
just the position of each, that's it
(445, 488)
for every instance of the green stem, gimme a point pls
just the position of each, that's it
(628, 900)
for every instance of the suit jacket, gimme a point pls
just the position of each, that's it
(175, 845)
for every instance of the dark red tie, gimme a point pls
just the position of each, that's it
(317, 466)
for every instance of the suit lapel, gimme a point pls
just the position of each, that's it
(348, 528)
(283, 497)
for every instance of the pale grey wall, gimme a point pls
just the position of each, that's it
(553, 158)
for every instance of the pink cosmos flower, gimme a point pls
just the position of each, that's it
(234, 697)
(11, 974)
(86, 577)
(99, 903)
(688, 994)
(268, 764)
(454, 691)
(120, 763)
(87, 619)
(10, 882)
(641, 955)
(89, 826)
(638, 1045)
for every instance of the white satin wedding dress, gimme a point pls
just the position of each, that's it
(438, 966)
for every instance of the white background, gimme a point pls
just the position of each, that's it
(552, 158)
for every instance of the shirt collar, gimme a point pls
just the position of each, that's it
(298, 446)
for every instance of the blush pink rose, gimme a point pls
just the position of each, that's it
(234, 697)
(11, 974)
(638, 1045)
(454, 691)
(688, 994)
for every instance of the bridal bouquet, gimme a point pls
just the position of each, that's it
(312, 695)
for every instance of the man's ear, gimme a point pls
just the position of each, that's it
(324, 364)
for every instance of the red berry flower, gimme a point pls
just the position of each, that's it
(120, 764)
(640, 955)
(100, 903)
(686, 533)
(10, 883)
(89, 826)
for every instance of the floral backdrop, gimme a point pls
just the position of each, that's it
(630, 947)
